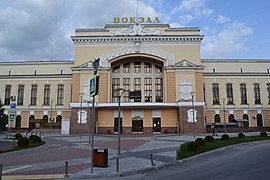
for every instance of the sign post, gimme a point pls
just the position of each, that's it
(94, 84)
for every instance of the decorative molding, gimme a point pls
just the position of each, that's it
(136, 30)
(84, 117)
(127, 40)
(190, 115)
(185, 87)
(156, 113)
(137, 48)
(185, 64)
(116, 113)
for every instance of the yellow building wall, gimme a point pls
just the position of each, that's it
(169, 117)
(171, 87)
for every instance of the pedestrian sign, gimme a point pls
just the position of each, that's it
(12, 106)
(94, 83)
(12, 116)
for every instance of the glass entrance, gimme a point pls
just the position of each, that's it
(116, 125)
(156, 124)
(137, 124)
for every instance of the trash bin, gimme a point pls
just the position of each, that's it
(100, 158)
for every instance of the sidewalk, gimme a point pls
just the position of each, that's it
(135, 155)
(137, 160)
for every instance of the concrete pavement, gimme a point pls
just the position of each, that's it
(49, 161)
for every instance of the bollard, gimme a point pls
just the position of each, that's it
(1, 167)
(152, 161)
(117, 165)
(176, 156)
(66, 169)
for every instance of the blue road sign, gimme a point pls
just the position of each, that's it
(93, 86)
(12, 106)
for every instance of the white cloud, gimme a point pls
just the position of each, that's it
(227, 41)
(222, 19)
(198, 8)
(185, 19)
(28, 27)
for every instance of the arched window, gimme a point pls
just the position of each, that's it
(32, 124)
(231, 118)
(217, 118)
(259, 120)
(146, 78)
(18, 121)
(45, 118)
(58, 119)
(246, 123)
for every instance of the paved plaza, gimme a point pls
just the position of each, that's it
(48, 161)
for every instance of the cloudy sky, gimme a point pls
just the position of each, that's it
(232, 28)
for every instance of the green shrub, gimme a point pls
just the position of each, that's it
(201, 141)
(225, 137)
(18, 136)
(193, 146)
(209, 139)
(263, 134)
(23, 142)
(241, 135)
(35, 139)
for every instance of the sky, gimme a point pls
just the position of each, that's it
(40, 29)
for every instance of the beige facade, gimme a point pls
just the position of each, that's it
(163, 64)
(17, 82)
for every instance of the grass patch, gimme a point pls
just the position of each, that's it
(218, 143)
(17, 148)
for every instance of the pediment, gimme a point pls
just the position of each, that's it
(88, 64)
(185, 63)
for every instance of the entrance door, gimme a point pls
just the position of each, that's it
(18, 121)
(259, 120)
(116, 125)
(156, 124)
(137, 124)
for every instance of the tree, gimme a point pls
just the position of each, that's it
(3, 117)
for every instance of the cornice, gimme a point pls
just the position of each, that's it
(25, 76)
(124, 40)
(236, 74)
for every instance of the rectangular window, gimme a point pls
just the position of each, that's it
(137, 87)
(116, 69)
(159, 92)
(115, 85)
(147, 67)
(158, 69)
(7, 95)
(268, 91)
(60, 95)
(137, 67)
(33, 100)
(229, 91)
(215, 92)
(243, 93)
(20, 95)
(47, 94)
(126, 67)
(204, 93)
(148, 90)
(126, 87)
(257, 95)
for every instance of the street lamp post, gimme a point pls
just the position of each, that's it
(223, 102)
(51, 117)
(81, 96)
(121, 90)
(192, 98)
